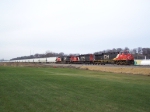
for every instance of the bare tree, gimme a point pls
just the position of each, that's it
(119, 49)
(126, 49)
(114, 50)
(139, 49)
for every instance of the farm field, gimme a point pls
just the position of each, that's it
(31, 89)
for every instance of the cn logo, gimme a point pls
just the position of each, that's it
(83, 58)
(65, 58)
(106, 56)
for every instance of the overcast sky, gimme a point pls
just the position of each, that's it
(72, 26)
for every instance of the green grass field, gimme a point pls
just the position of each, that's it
(29, 89)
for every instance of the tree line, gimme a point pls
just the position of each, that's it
(138, 53)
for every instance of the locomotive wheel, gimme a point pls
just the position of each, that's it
(121, 63)
(117, 63)
(124, 63)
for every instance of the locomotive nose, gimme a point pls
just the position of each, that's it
(130, 57)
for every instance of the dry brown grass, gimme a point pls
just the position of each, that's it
(21, 64)
(128, 70)
(119, 69)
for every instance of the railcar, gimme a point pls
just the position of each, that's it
(105, 58)
(124, 58)
(86, 58)
(51, 59)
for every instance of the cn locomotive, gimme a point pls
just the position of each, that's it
(122, 58)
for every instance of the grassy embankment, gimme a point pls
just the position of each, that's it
(64, 90)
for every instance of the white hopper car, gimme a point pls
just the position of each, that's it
(37, 60)
(145, 62)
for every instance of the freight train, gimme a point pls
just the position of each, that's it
(122, 58)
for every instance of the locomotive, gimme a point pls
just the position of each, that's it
(122, 58)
